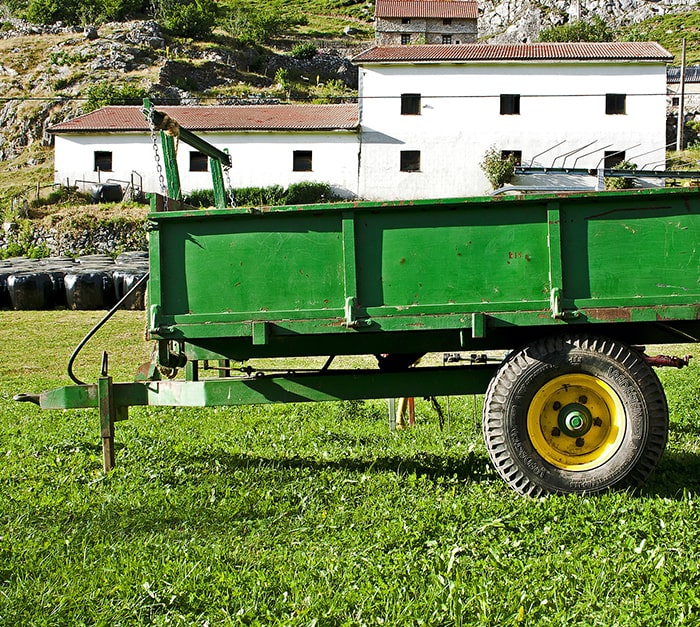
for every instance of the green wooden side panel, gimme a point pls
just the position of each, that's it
(636, 250)
(251, 266)
(447, 257)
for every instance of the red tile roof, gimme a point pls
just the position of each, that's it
(220, 118)
(466, 9)
(615, 51)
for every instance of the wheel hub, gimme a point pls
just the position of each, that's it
(576, 422)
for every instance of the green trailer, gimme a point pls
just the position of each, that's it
(567, 287)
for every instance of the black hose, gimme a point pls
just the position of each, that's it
(98, 326)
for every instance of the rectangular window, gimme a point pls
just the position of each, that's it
(447, 39)
(615, 104)
(302, 161)
(447, 21)
(510, 104)
(675, 101)
(405, 40)
(198, 161)
(405, 20)
(613, 157)
(103, 161)
(410, 160)
(518, 154)
(410, 104)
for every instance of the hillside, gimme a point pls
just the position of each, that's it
(51, 73)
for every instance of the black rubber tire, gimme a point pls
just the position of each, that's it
(511, 392)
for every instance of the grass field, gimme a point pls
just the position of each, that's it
(314, 514)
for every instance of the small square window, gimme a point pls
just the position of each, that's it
(613, 158)
(103, 161)
(302, 161)
(675, 101)
(405, 20)
(405, 39)
(198, 161)
(410, 160)
(510, 104)
(447, 21)
(517, 154)
(615, 104)
(410, 104)
(447, 39)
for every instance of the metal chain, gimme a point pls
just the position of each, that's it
(156, 154)
(232, 200)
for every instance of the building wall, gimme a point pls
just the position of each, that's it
(259, 159)
(388, 31)
(460, 119)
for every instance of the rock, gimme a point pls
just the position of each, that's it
(90, 33)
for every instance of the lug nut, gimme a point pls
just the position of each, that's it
(597, 422)
(579, 442)
(583, 399)
(557, 405)
(555, 432)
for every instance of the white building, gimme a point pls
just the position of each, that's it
(426, 117)
(269, 145)
(428, 114)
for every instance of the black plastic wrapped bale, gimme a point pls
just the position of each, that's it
(124, 279)
(106, 192)
(132, 258)
(30, 290)
(89, 290)
(4, 293)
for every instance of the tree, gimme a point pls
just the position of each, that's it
(103, 94)
(578, 30)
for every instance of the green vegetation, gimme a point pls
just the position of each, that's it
(669, 31)
(314, 513)
(499, 170)
(578, 30)
(195, 18)
(103, 94)
(303, 193)
(617, 182)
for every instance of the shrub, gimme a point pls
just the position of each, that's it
(615, 182)
(194, 18)
(103, 94)
(304, 51)
(254, 25)
(578, 30)
(200, 198)
(498, 170)
(308, 192)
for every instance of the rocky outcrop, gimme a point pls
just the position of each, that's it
(520, 21)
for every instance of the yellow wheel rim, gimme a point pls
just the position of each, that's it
(576, 422)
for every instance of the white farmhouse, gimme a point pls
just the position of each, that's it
(269, 145)
(428, 114)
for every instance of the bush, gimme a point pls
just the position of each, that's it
(254, 25)
(498, 170)
(304, 51)
(303, 193)
(104, 94)
(193, 18)
(274, 195)
(615, 182)
(578, 30)
(308, 192)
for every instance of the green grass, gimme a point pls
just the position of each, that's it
(313, 514)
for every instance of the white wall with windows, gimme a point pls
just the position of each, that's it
(259, 159)
(430, 142)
